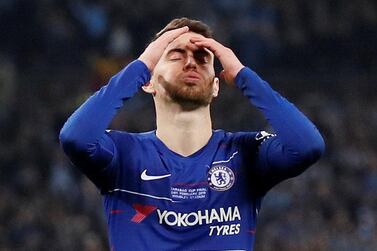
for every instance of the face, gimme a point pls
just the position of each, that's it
(185, 74)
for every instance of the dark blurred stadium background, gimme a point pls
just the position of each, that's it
(320, 54)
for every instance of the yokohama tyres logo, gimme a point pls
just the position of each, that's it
(221, 221)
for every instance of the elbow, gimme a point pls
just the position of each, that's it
(65, 137)
(70, 141)
(309, 153)
(314, 149)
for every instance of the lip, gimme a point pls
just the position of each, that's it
(192, 75)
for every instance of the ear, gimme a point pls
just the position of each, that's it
(149, 88)
(216, 87)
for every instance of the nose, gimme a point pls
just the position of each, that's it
(190, 62)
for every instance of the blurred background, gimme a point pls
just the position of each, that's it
(321, 55)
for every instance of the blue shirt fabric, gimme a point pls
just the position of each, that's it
(156, 199)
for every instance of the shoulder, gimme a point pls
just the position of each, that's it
(247, 139)
(239, 137)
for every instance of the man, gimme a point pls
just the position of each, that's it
(186, 186)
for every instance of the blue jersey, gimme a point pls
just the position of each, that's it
(156, 199)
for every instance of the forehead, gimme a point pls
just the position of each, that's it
(183, 42)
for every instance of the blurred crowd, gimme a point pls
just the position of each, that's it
(321, 55)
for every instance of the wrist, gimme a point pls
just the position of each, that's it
(236, 69)
(147, 63)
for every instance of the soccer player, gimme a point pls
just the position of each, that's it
(185, 186)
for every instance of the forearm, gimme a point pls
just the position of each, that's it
(299, 140)
(86, 127)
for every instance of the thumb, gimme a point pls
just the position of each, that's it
(226, 78)
(222, 75)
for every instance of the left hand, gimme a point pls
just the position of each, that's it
(229, 61)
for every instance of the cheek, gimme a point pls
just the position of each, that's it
(160, 71)
(169, 74)
(209, 71)
(209, 75)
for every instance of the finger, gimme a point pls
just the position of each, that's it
(198, 38)
(192, 47)
(173, 34)
(208, 44)
(204, 40)
(201, 43)
(178, 31)
(222, 75)
(226, 78)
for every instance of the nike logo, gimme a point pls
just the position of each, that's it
(145, 176)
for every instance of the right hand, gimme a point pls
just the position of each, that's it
(154, 50)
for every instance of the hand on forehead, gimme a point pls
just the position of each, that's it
(183, 42)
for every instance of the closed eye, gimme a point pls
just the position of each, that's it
(175, 54)
(175, 58)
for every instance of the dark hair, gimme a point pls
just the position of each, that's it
(194, 26)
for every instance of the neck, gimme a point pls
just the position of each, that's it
(183, 132)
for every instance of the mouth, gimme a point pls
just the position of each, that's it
(192, 76)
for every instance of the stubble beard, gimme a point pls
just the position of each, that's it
(189, 96)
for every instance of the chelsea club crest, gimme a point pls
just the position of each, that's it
(220, 178)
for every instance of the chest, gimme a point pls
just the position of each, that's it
(214, 177)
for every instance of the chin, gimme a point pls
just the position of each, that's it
(192, 99)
